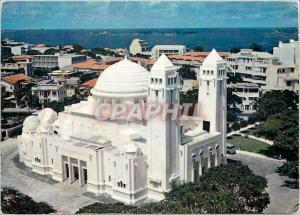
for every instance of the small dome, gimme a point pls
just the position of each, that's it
(47, 116)
(124, 79)
(31, 123)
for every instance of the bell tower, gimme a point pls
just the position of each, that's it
(163, 128)
(212, 95)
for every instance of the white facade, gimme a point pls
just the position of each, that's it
(57, 60)
(249, 93)
(158, 50)
(281, 77)
(288, 53)
(26, 65)
(251, 65)
(137, 159)
(138, 46)
(49, 92)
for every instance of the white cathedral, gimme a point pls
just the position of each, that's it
(131, 160)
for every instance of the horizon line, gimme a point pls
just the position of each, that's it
(128, 28)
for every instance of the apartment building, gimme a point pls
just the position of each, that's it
(249, 93)
(288, 53)
(57, 60)
(49, 92)
(282, 77)
(251, 65)
(158, 50)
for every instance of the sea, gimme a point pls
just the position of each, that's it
(223, 39)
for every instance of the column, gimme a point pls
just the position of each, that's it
(200, 165)
(70, 170)
(79, 173)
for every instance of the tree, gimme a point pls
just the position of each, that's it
(232, 105)
(77, 48)
(235, 50)
(38, 72)
(235, 126)
(187, 72)
(51, 51)
(290, 169)
(191, 96)
(198, 48)
(243, 124)
(256, 47)
(274, 102)
(224, 189)
(34, 52)
(15, 202)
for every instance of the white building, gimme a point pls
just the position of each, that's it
(288, 53)
(158, 50)
(137, 159)
(249, 93)
(282, 77)
(57, 60)
(23, 65)
(138, 46)
(251, 65)
(49, 93)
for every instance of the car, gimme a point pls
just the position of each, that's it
(230, 148)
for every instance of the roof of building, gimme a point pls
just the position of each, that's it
(186, 58)
(204, 54)
(122, 79)
(12, 79)
(21, 57)
(47, 87)
(143, 61)
(91, 64)
(89, 83)
(169, 47)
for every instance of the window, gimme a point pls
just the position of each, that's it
(204, 72)
(152, 80)
(211, 72)
(175, 80)
(206, 126)
(288, 83)
(160, 81)
(156, 80)
(109, 178)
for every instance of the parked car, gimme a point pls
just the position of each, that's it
(230, 148)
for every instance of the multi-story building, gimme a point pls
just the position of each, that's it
(251, 65)
(138, 46)
(158, 50)
(10, 82)
(26, 66)
(57, 60)
(249, 93)
(288, 53)
(42, 48)
(282, 77)
(49, 92)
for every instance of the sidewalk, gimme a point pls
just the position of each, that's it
(258, 155)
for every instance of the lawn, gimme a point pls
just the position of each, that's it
(251, 145)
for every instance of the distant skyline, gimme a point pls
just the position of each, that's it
(118, 15)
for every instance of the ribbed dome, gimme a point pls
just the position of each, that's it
(122, 79)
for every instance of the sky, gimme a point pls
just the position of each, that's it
(97, 15)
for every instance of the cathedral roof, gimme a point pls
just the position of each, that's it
(122, 79)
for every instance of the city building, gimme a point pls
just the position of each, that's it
(251, 65)
(249, 93)
(23, 66)
(158, 50)
(138, 46)
(56, 61)
(58, 75)
(189, 84)
(49, 93)
(90, 65)
(288, 53)
(10, 81)
(282, 77)
(136, 159)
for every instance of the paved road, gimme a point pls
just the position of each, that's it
(282, 199)
(65, 198)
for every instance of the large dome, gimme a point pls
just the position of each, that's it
(122, 80)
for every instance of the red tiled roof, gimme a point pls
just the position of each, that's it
(90, 83)
(142, 60)
(90, 64)
(12, 79)
(204, 54)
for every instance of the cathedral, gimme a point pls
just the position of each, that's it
(131, 160)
